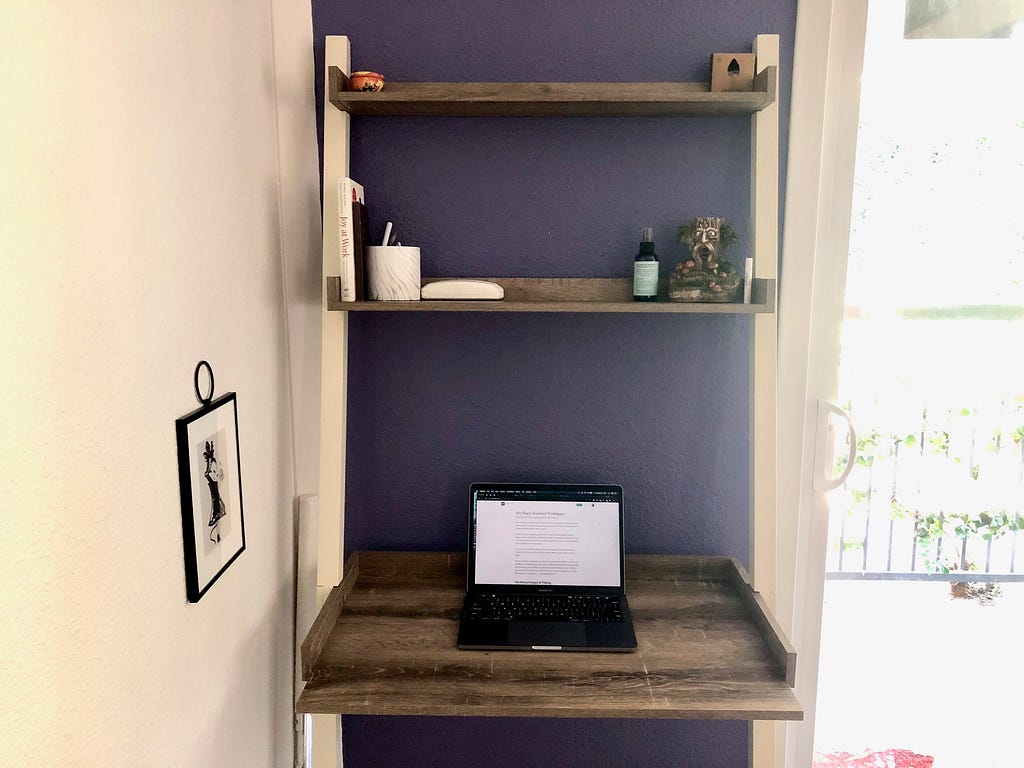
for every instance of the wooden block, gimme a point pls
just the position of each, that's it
(732, 72)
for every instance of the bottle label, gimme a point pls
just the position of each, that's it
(645, 278)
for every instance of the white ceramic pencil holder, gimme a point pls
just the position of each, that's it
(393, 272)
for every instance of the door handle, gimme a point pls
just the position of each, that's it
(822, 473)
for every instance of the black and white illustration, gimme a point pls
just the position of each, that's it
(215, 496)
(211, 492)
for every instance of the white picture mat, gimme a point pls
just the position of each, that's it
(220, 426)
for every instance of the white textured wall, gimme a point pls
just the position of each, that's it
(139, 233)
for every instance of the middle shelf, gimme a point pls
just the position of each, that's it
(561, 294)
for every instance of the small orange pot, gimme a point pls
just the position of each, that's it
(366, 81)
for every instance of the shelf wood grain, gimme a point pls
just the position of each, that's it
(707, 649)
(551, 99)
(556, 294)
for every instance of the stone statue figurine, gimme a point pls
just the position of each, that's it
(705, 276)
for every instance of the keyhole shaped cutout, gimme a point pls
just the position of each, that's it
(733, 69)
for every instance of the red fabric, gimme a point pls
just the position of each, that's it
(889, 758)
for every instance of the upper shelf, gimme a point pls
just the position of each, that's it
(551, 99)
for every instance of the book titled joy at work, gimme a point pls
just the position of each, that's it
(353, 224)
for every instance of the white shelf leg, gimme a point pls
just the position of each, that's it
(764, 214)
(333, 387)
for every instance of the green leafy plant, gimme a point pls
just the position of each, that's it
(956, 528)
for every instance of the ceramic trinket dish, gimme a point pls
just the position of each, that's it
(366, 81)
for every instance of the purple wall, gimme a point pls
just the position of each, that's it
(655, 403)
(488, 742)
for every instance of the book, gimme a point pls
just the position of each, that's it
(350, 193)
(361, 239)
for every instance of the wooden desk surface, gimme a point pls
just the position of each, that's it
(384, 644)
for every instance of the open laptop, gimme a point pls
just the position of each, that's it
(545, 569)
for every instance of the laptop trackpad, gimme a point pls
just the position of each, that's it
(528, 633)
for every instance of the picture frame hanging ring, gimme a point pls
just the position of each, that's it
(195, 383)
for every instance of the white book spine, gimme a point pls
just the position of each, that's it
(346, 240)
(348, 192)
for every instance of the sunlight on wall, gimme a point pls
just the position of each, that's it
(140, 233)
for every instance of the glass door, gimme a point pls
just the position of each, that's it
(925, 544)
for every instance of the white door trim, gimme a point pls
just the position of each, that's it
(829, 50)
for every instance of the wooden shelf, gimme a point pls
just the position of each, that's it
(384, 644)
(551, 99)
(543, 294)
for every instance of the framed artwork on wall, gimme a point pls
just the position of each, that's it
(209, 475)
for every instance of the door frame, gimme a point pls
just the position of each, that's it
(828, 58)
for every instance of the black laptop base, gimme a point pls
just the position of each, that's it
(489, 634)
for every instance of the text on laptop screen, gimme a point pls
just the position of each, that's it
(528, 539)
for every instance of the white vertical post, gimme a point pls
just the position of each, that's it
(333, 383)
(334, 353)
(305, 607)
(764, 214)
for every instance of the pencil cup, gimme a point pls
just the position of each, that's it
(393, 272)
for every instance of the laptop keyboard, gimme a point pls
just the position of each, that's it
(504, 607)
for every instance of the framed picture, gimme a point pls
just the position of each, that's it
(212, 525)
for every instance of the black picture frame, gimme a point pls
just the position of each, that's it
(210, 479)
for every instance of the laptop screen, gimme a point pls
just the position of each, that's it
(546, 535)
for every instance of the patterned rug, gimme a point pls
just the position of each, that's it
(888, 758)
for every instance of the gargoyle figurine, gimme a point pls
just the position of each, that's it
(705, 276)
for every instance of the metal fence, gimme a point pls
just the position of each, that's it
(937, 493)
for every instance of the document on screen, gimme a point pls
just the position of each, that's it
(561, 543)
